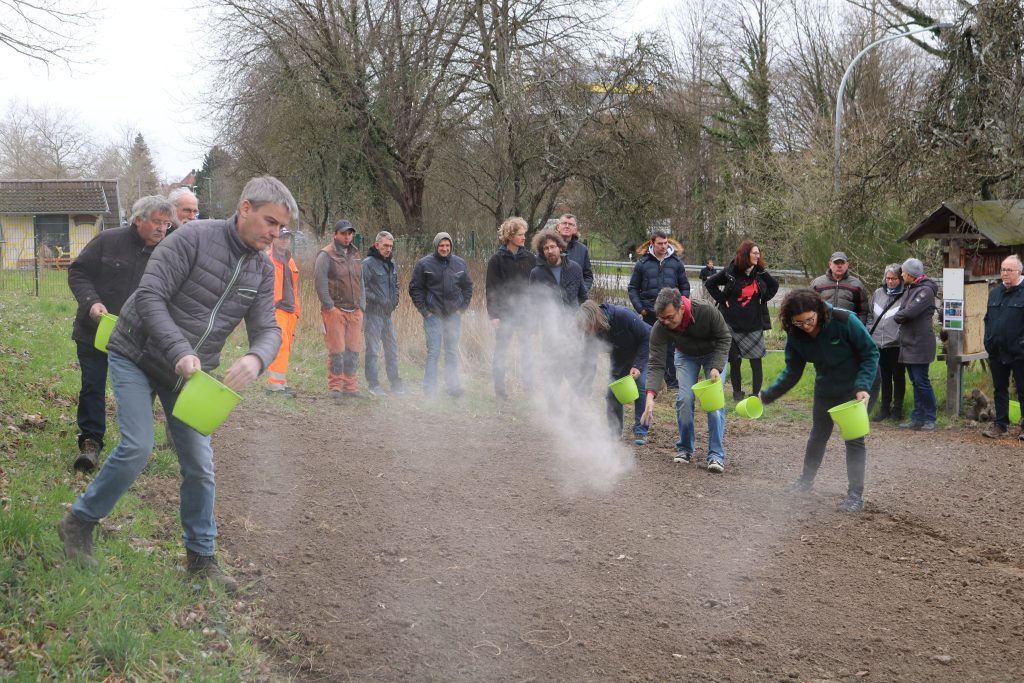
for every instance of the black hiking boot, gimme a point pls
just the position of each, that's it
(882, 414)
(206, 567)
(77, 536)
(88, 456)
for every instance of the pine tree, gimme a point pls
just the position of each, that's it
(139, 179)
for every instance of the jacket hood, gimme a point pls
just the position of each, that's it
(443, 236)
(925, 282)
(675, 248)
(372, 252)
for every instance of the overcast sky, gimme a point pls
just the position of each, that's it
(146, 70)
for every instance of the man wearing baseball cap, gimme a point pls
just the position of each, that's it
(338, 277)
(842, 288)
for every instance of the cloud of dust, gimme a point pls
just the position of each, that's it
(569, 412)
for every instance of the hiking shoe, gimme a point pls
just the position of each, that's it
(377, 391)
(852, 503)
(206, 567)
(457, 392)
(77, 537)
(996, 432)
(738, 396)
(398, 389)
(800, 486)
(334, 393)
(880, 415)
(88, 456)
(683, 457)
(912, 424)
(640, 440)
(927, 427)
(716, 466)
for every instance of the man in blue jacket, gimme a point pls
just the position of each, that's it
(575, 250)
(659, 267)
(199, 286)
(380, 286)
(441, 290)
(1004, 341)
(102, 277)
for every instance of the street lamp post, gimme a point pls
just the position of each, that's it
(846, 76)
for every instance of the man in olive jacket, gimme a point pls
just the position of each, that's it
(702, 340)
(102, 277)
(199, 285)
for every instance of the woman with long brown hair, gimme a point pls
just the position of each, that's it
(743, 289)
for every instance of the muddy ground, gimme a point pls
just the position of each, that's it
(392, 541)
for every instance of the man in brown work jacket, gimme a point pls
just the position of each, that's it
(338, 276)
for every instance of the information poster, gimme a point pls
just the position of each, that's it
(953, 298)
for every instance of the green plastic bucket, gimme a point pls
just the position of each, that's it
(625, 389)
(852, 418)
(710, 394)
(204, 403)
(1014, 412)
(750, 407)
(103, 330)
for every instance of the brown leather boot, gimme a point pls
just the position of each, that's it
(88, 456)
(206, 566)
(77, 536)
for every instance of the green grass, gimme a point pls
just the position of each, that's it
(135, 617)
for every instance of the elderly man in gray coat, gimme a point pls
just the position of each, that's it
(203, 281)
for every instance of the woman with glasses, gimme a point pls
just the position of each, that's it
(884, 305)
(845, 360)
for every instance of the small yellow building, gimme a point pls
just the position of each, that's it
(53, 219)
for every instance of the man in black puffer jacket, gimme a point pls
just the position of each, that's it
(199, 285)
(102, 277)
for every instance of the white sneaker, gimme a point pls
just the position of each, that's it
(683, 458)
(716, 467)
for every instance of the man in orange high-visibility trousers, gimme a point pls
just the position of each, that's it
(338, 279)
(286, 308)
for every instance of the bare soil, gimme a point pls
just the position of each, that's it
(392, 541)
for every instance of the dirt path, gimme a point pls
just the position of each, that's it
(400, 543)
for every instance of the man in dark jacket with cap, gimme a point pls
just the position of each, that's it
(441, 290)
(917, 341)
(102, 277)
(198, 287)
(1004, 341)
(841, 288)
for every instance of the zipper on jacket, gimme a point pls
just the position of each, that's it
(213, 313)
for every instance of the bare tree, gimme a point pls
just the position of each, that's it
(44, 142)
(45, 30)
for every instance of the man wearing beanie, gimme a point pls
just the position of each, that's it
(441, 290)
(338, 276)
(1004, 341)
(917, 341)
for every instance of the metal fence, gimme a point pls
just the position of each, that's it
(41, 272)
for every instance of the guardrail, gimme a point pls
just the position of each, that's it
(694, 268)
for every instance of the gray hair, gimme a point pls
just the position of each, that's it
(669, 296)
(1020, 264)
(177, 194)
(269, 190)
(145, 207)
(894, 268)
(659, 232)
(383, 235)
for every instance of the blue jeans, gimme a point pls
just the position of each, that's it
(133, 393)
(92, 398)
(379, 330)
(442, 331)
(924, 396)
(688, 370)
(616, 410)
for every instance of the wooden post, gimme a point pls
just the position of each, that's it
(954, 347)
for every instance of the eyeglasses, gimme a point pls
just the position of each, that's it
(667, 318)
(159, 223)
(806, 322)
(1009, 270)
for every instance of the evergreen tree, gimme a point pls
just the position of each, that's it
(139, 179)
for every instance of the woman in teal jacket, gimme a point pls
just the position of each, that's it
(845, 359)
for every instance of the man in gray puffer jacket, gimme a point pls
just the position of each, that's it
(203, 281)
